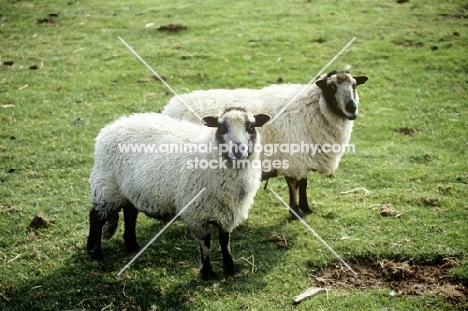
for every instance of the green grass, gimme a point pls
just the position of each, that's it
(88, 73)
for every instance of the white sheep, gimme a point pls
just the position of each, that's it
(160, 184)
(321, 115)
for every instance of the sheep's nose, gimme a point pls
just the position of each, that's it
(351, 106)
(239, 150)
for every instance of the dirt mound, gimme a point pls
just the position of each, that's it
(403, 278)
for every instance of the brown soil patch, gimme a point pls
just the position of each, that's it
(404, 278)
(409, 43)
(281, 240)
(387, 210)
(408, 131)
(320, 40)
(39, 221)
(151, 79)
(432, 201)
(172, 27)
(47, 20)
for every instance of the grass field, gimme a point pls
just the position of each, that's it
(64, 77)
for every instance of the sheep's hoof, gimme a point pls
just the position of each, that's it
(208, 274)
(96, 255)
(306, 209)
(231, 271)
(298, 212)
(133, 248)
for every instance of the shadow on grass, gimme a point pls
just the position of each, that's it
(165, 277)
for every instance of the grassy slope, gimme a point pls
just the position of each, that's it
(229, 45)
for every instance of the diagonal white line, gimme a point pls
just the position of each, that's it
(160, 232)
(313, 232)
(162, 80)
(313, 79)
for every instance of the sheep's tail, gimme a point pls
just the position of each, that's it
(110, 226)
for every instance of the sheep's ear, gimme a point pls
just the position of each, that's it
(361, 79)
(321, 84)
(211, 121)
(261, 119)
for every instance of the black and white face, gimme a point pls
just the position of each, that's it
(339, 90)
(236, 132)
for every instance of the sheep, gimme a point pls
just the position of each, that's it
(321, 114)
(160, 184)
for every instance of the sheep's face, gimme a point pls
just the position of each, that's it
(339, 90)
(236, 134)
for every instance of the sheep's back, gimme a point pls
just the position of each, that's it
(302, 121)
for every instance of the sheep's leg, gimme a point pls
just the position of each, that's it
(292, 185)
(205, 264)
(303, 204)
(94, 238)
(130, 217)
(228, 262)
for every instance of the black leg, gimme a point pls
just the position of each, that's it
(130, 217)
(228, 262)
(292, 185)
(94, 237)
(303, 204)
(205, 264)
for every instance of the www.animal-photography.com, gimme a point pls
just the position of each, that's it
(233, 155)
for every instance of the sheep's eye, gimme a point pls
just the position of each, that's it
(333, 87)
(222, 129)
(354, 85)
(250, 128)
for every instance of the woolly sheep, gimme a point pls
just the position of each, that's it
(161, 184)
(322, 114)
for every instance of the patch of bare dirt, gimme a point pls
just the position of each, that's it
(39, 221)
(404, 278)
(47, 20)
(172, 27)
(409, 43)
(320, 40)
(50, 19)
(432, 201)
(280, 240)
(411, 131)
(387, 210)
(151, 79)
